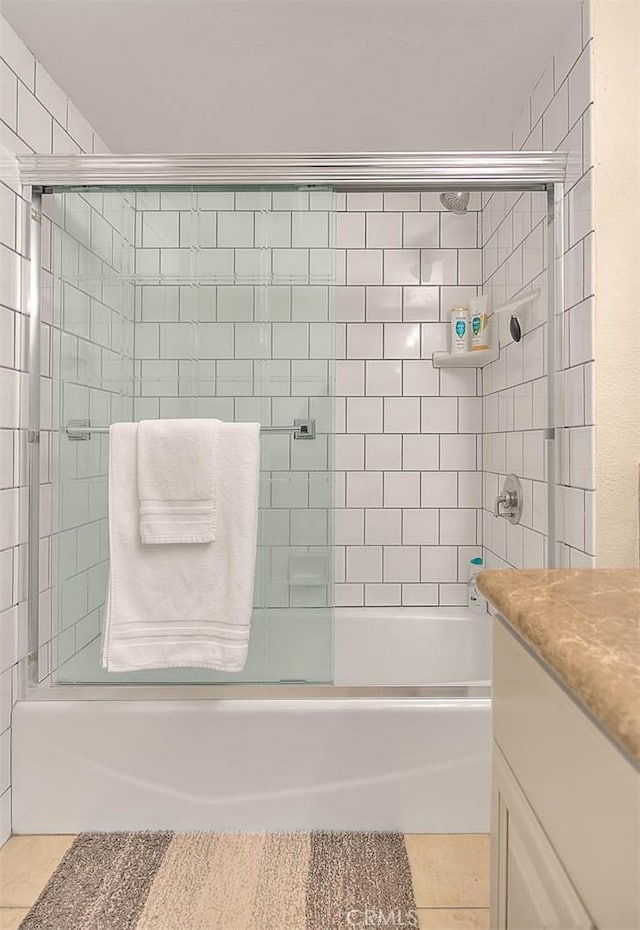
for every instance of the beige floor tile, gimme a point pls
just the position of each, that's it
(11, 917)
(26, 864)
(444, 918)
(449, 870)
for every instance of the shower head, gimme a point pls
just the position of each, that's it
(455, 201)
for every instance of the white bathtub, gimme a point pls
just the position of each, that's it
(411, 763)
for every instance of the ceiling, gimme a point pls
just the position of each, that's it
(295, 75)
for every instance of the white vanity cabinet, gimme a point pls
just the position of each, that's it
(565, 829)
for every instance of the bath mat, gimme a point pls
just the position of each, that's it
(228, 881)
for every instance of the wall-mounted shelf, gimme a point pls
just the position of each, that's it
(465, 359)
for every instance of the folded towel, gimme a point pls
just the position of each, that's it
(177, 478)
(175, 605)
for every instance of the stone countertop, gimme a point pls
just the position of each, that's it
(585, 625)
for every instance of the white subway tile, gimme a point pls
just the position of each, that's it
(364, 200)
(402, 340)
(8, 96)
(364, 563)
(52, 96)
(383, 378)
(384, 304)
(555, 121)
(435, 338)
(349, 452)
(422, 230)
(458, 452)
(383, 527)
(349, 378)
(34, 122)
(79, 129)
(458, 382)
(439, 415)
(582, 454)
(420, 452)
(17, 55)
(402, 200)
(438, 266)
(384, 230)
(420, 378)
(401, 266)
(349, 595)
(421, 304)
(542, 94)
(364, 414)
(459, 231)
(364, 340)
(382, 595)
(401, 415)
(364, 266)
(581, 334)
(349, 304)
(401, 563)
(383, 452)
(580, 212)
(349, 232)
(310, 230)
(439, 563)
(439, 488)
(457, 527)
(470, 266)
(420, 527)
(414, 595)
(402, 489)
(349, 527)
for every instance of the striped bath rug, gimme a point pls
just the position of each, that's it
(228, 881)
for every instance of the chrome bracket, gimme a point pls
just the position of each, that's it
(305, 429)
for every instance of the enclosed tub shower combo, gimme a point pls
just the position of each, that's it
(310, 294)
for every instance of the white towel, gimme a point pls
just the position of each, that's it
(177, 478)
(182, 605)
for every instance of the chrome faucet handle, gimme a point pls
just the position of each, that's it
(508, 503)
(501, 500)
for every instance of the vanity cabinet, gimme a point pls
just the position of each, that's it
(565, 830)
(531, 887)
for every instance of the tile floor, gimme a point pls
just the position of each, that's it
(450, 877)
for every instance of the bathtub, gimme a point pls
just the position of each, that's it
(401, 742)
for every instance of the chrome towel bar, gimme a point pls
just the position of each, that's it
(301, 429)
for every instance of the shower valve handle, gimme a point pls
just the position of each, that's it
(509, 501)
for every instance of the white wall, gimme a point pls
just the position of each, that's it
(616, 31)
(35, 116)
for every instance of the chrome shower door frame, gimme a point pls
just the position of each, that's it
(426, 171)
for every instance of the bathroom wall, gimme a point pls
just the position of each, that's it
(616, 27)
(35, 116)
(556, 116)
(408, 449)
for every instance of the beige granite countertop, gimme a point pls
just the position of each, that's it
(585, 624)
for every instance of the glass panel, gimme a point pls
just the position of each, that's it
(199, 303)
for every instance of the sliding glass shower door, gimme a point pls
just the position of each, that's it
(198, 303)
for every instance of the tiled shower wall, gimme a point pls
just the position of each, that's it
(234, 319)
(253, 343)
(35, 116)
(89, 252)
(408, 454)
(557, 117)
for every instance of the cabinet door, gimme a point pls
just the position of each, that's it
(530, 888)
